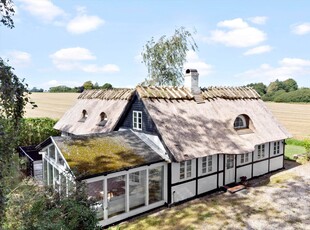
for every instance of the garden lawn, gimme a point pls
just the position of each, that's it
(291, 150)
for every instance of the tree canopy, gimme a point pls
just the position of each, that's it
(165, 58)
(7, 12)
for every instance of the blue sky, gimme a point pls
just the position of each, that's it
(69, 42)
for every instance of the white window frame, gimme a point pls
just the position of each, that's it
(136, 124)
(276, 148)
(210, 163)
(185, 169)
(261, 151)
(204, 165)
(244, 158)
(244, 125)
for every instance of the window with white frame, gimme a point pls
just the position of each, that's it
(188, 168)
(204, 164)
(240, 122)
(276, 148)
(185, 166)
(230, 161)
(244, 158)
(209, 163)
(260, 151)
(134, 177)
(137, 120)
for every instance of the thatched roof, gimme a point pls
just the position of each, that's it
(190, 125)
(92, 155)
(94, 102)
(191, 130)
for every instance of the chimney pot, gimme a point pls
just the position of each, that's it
(191, 81)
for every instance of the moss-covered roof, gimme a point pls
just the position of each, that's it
(98, 154)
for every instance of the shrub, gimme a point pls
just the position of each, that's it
(300, 95)
(35, 130)
(31, 206)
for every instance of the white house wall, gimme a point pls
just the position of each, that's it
(276, 163)
(207, 184)
(183, 191)
(244, 171)
(189, 187)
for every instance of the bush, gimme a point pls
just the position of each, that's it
(300, 95)
(35, 130)
(31, 206)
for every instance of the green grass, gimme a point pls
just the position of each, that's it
(292, 141)
(291, 150)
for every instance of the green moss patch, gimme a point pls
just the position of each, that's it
(90, 156)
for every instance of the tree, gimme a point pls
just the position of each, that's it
(260, 88)
(36, 90)
(107, 86)
(96, 86)
(290, 85)
(88, 85)
(275, 86)
(165, 58)
(14, 95)
(7, 12)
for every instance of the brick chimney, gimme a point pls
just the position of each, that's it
(191, 81)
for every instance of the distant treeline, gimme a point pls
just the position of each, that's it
(282, 91)
(86, 86)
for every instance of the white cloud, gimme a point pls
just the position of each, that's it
(237, 33)
(260, 20)
(194, 62)
(19, 58)
(108, 68)
(258, 50)
(84, 23)
(77, 58)
(43, 9)
(288, 67)
(301, 29)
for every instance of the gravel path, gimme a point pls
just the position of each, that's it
(286, 198)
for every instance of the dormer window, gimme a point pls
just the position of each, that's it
(137, 120)
(241, 122)
(84, 116)
(103, 119)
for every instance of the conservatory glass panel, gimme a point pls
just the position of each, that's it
(95, 193)
(137, 189)
(52, 152)
(116, 195)
(156, 184)
(63, 185)
(45, 172)
(50, 174)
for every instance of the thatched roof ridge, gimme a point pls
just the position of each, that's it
(164, 92)
(182, 93)
(230, 93)
(108, 94)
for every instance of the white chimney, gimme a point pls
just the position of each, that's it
(191, 81)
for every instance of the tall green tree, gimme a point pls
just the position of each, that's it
(88, 85)
(260, 88)
(290, 85)
(7, 12)
(165, 58)
(107, 86)
(14, 95)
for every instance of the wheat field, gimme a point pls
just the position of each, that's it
(295, 117)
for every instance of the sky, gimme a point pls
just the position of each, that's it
(57, 42)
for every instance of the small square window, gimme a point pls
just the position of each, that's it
(137, 120)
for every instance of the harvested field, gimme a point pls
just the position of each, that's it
(52, 105)
(295, 117)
